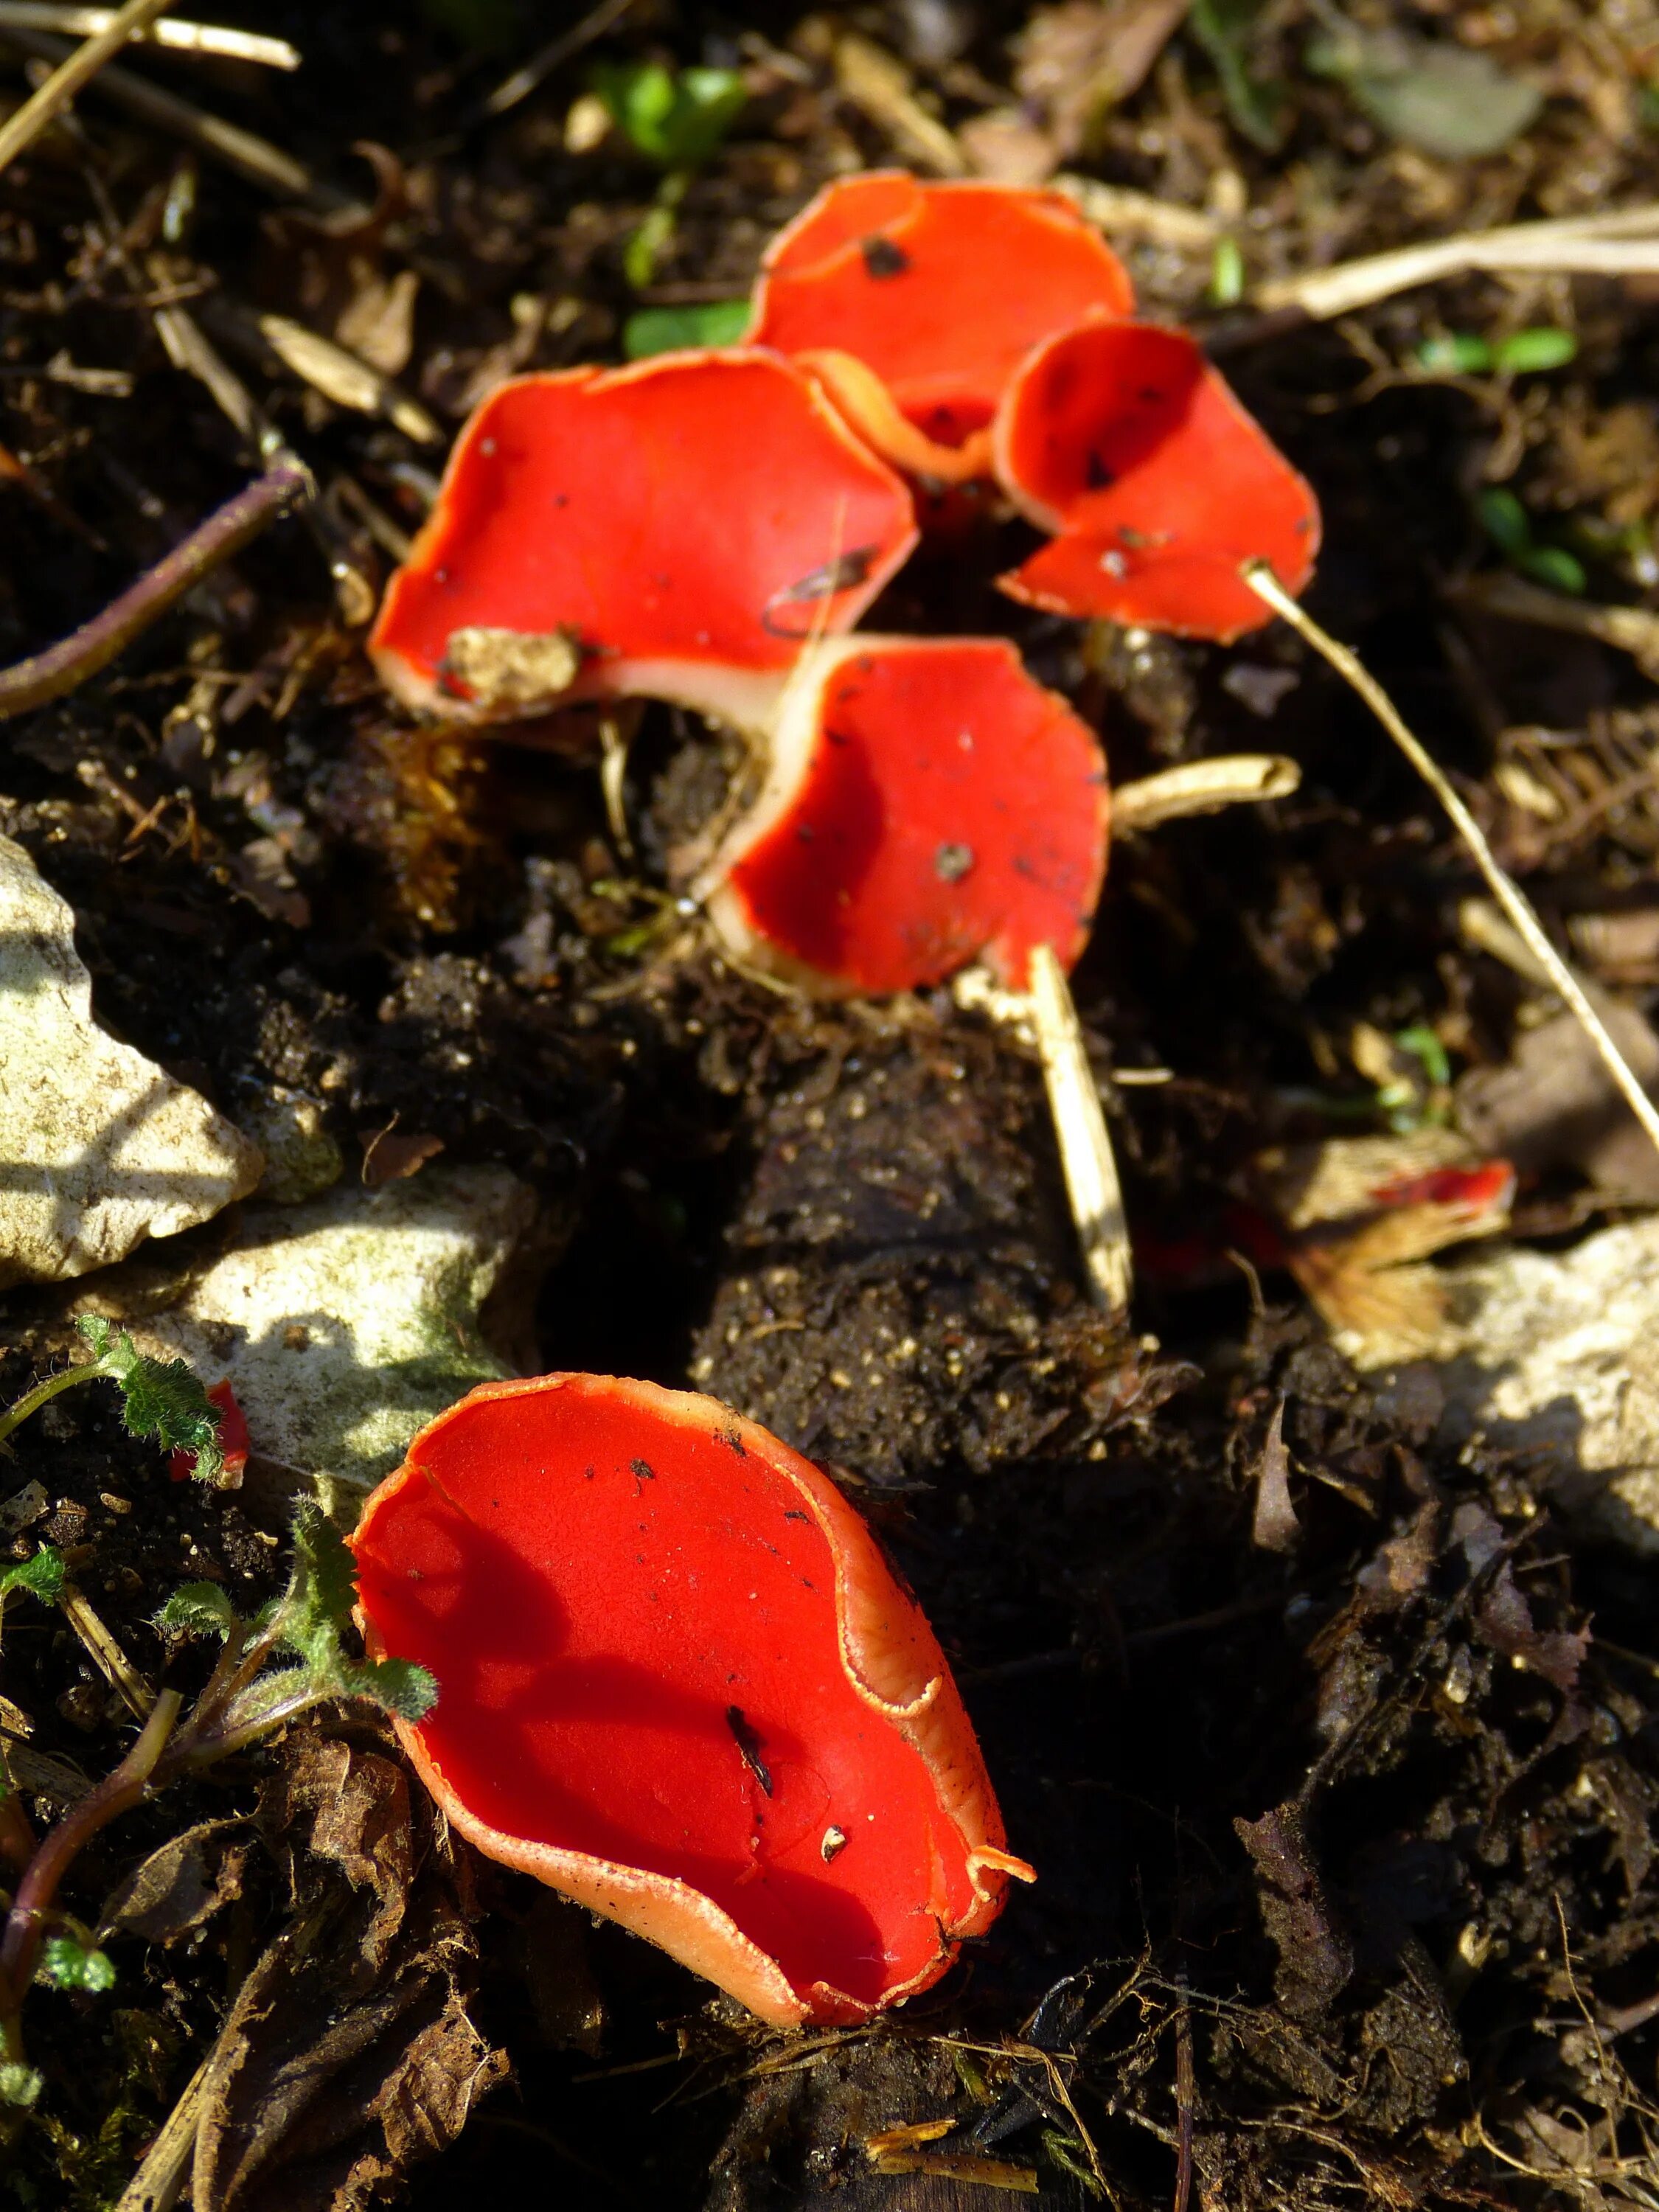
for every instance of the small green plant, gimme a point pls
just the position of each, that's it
(665, 330)
(1523, 352)
(1509, 526)
(284, 1660)
(676, 118)
(159, 1398)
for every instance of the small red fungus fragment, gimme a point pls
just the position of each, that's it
(234, 1443)
(672, 530)
(678, 1681)
(1122, 439)
(927, 804)
(916, 302)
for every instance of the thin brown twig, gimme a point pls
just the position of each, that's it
(23, 128)
(63, 668)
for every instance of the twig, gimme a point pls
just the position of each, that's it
(1202, 787)
(1623, 242)
(182, 38)
(106, 1654)
(1085, 1146)
(525, 79)
(1634, 630)
(243, 151)
(65, 666)
(23, 128)
(1504, 890)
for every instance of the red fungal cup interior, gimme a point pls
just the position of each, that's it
(631, 1614)
(950, 809)
(1122, 438)
(940, 289)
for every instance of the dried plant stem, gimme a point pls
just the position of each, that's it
(65, 666)
(1508, 894)
(1086, 1144)
(23, 128)
(182, 38)
(1202, 787)
(1623, 242)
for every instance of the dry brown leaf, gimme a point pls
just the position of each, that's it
(1075, 60)
(1553, 1105)
(180, 1887)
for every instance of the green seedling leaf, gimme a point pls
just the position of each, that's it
(676, 120)
(647, 245)
(1447, 100)
(19, 2084)
(1425, 1047)
(1555, 568)
(1459, 354)
(162, 1399)
(1223, 28)
(68, 1964)
(42, 1576)
(1526, 352)
(1226, 274)
(1505, 520)
(198, 1609)
(666, 329)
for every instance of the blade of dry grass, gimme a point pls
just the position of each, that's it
(1507, 892)
(1085, 1144)
(182, 38)
(21, 129)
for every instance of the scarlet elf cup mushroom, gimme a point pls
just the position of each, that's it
(680, 1684)
(671, 531)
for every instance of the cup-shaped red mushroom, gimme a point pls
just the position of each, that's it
(916, 302)
(679, 1682)
(672, 530)
(927, 803)
(1122, 439)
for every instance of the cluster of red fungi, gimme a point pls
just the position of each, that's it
(678, 1681)
(706, 527)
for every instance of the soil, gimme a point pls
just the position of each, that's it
(1348, 1885)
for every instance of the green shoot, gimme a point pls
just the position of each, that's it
(665, 330)
(676, 120)
(1509, 526)
(68, 1964)
(1226, 273)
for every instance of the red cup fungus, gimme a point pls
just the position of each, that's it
(1122, 439)
(673, 530)
(916, 303)
(679, 1683)
(926, 804)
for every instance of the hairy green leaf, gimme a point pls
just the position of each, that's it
(41, 1575)
(19, 2084)
(68, 1964)
(159, 1398)
(198, 1609)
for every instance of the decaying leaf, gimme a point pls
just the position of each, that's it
(1273, 1525)
(1553, 1104)
(180, 1887)
(1445, 100)
(1316, 1957)
(349, 2055)
(1359, 1216)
